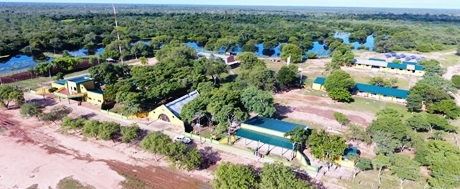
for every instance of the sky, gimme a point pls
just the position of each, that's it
(431, 4)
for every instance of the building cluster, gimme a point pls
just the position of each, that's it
(410, 68)
(370, 91)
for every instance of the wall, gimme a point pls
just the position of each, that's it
(345, 163)
(139, 115)
(71, 86)
(155, 114)
(304, 163)
(94, 98)
(57, 85)
(114, 114)
(262, 130)
(317, 86)
(88, 85)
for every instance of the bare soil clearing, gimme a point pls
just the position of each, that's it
(316, 109)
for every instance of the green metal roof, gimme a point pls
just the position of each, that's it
(265, 138)
(61, 81)
(381, 90)
(98, 91)
(80, 79)
(404, 66)
(320, 80)
(272, 124)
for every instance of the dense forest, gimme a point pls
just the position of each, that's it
(35, 28)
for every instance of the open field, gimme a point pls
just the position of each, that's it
(43, 81)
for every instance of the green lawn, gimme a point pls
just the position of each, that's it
(449, 60)
(373, 106)
(369, 179)
(70, 183)
(35, 83)
(69, 20)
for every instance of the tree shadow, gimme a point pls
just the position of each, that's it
(44, 101)
(303, 175)
(210, 157)
(88, 116)
(281, 111)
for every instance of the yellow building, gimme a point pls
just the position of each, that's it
(318, 84)
(410, 68)
(81, 88)
(370, 91)
(170, 112)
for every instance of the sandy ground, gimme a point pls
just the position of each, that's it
(316, 109)
(150, 62)
(38, 153)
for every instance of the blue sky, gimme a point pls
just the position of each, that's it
(435, 4)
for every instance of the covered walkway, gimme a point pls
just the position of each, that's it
(258, 141)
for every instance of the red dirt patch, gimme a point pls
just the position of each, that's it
(13, 128)
(329, 114)
(156, 176)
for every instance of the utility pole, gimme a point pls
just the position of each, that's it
(118, 33)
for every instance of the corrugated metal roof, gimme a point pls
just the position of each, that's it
(399, 93)
(176, 106)
(212, 55)
(272, 124)
(320, 80)
(396, 65)
(78, 80)
(265, 138)
(371, 62)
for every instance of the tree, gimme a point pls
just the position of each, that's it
(380, 162)
(130, 133)
(157, 143)
(456, 80)
(341, 95)
(213, 67)
(443, 161)
(342, 55)
(405, 168)
(106, 73)
(143, 60)
(91, 128)
(31, 109)
(338, 84)
(439, 123)
(60, 76)
(447, 108)
(361, 164)
(357, 133)
(418, 123)
(298, 135)
(69, 123)
(278, 176)
(10, 94)
(184, 157)
(326, 147)
(389, 112)
(259, 76)
(258, 101)
(230, 176)
(414, 102)
(293, 51)
(341, 118)
(43, 68)
(249, 60)
(378, 81)
(311, 55)
(56, 113)
(287, 76)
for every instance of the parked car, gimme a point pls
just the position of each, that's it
(183, 139)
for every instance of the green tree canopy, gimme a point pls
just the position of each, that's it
(287, 76)
(444, 164)
(447, 108)
(231, 176)
(418, 123)
(157, 143)
(56, 113)
(456, 80)
(130, 133)
(341, 118)
(326, 147)
(31, 109)
(293, 51)
(258, 101)
(405, 168)
(278, 176)
(10, 94)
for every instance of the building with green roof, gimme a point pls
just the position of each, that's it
(370, 91)
(81, 88)
(411, 68)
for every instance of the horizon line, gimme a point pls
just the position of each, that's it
(325, 6)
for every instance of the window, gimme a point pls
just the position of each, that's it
(98, 100)
(74, 88)
(89, 98)
(173, 117)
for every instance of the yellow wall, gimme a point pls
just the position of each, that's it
(345, 163)
(317, 86)
(155, 114)
(262, 130)
(57, 85)
(94, 98)
(139, 115)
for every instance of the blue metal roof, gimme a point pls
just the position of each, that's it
(98, 91)
(61, 81)
(320, 80)
(272, 124)
(399, 93)
(265, 138)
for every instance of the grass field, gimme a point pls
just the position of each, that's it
(35, 83)
(369, 179)
(449, 60)
(69, 20)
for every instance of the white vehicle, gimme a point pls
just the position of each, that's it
(183, 139)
